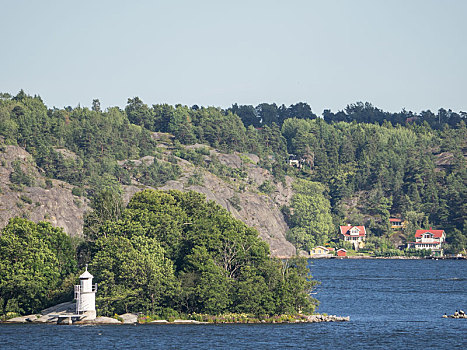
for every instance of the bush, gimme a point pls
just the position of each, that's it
(26, 199)
(76, 191)
(15, 187)
(19, 177)
(48, 183)
(267, 187)
(203, 150)
(235, 201)
(196, 179)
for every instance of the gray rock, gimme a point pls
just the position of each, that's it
(20, 319)
(129, 318)
(56, 205)
(187, 322)
(104, 320)
(68, 307)
(159, 322)
(329, 318)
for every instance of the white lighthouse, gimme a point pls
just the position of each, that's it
(85, 295)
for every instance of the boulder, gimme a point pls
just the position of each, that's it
(188, 322)
(104, 320)
(129, 318)
(159, 322)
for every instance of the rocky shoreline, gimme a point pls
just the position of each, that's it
(64, 314)
(133, 319)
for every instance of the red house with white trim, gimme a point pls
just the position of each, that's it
(354, 234)
(429, 239)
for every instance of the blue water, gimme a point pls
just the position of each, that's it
(393, 304)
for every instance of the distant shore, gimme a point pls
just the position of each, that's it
(390, 257)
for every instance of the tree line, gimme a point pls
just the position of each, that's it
(400, 164)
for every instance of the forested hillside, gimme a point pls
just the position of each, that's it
(361, 165)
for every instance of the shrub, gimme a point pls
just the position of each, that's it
(203, 150)
(235, 201)
(76, 191)
(19, 177)
(267, 187)
(48, 183)
(26, 199)
(15, 187)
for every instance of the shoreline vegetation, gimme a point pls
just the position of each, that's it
(196, 319)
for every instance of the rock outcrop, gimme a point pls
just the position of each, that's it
(53, 201)
(327, 318)
(39, 202)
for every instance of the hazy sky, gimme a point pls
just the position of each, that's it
(395, 54)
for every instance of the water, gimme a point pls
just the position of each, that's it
(392, 304)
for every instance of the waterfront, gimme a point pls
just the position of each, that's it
(391, 304)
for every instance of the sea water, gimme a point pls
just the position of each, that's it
(392, 304)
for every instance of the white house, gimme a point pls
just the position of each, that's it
(354, 234)
(429, 239)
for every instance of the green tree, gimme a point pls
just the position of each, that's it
(37, 263)
(133, 275)
(311, 216)
(107, 205)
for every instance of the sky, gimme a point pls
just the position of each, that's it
(394, 54)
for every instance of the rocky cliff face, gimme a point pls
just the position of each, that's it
(51, 202)
(240, 196)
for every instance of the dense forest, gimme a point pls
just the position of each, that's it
(392, 164)
(360, 165)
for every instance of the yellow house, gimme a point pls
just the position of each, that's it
(396, 223)
(321, 252)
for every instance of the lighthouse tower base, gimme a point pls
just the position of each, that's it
(88, 315)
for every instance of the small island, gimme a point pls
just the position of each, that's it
(168, 257)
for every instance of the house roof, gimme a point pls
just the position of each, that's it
(435, 233)
(321, 247)
(395, 220)
(345, 230)
(341, 250)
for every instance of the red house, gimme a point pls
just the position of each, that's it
(341, 252)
